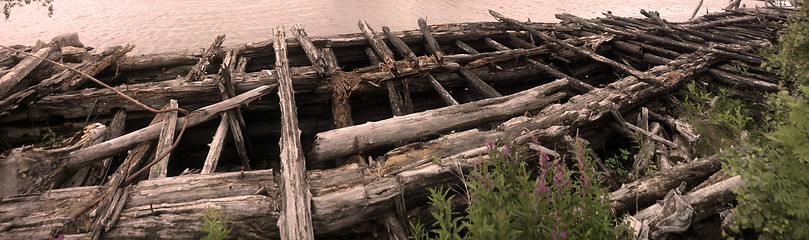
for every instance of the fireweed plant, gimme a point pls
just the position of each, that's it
(505, 202)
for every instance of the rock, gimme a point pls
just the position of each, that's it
(68, 39)
(73, 54)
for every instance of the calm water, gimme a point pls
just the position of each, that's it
(165, 25)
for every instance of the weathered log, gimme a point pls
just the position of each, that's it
(519, 42)
(96, 133)
(705, 202)
(478, 84)
(16, 74)
(466, 48)
(234, 117)
(212, 158)
(400, 46)
(441, 91)
(382, 50)
(197, 94)
(165, 141)
(645, 191)
(159, 60)
(432, 44)
(315, 57)
(88, 155)
(408, 53)
(644, 157)
(576, 84)
(295, 220)
(650, 37)
(342, 142)
(115, 129)
(198, 71)
(622, 67)
(743, 82)
(66, 80)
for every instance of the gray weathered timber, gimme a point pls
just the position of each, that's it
(619, 66)
(315, 56)
(165, 141)
(198, 71)
(74, 104)
(110, 147)
(16, 74)
(429, 39)
(379, 46)
(705, 201)
(651, 188)
(478, 84)
(234, 117)
(295, 221)
(63, 81)
(212, 159)
(345, 141)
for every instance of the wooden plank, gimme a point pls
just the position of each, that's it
(661, 40)
(404, 50)
(496, 45)
(95, 134)
(441, 91)
(198, 71)
(63, 81)
(478, 84)
(575, 83)
(16, 74)
(218, 142)
(400, 46)
(518, 42)
(432, 44)
(331, 59)
(165, 141)
(619, 66)
(466, 48)
(234, 117)
(394, 99)
(295, 221)
(332, 144)
(314, 55)
(382, 50)
(89, 155)
(115, 129)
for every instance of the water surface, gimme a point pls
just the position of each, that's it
(165, 25)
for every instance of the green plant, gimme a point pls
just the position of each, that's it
(50, 139)
(214, 225)
(718, 125)
(774, 167)
(435, 159)
(506, 203)
(616, 164)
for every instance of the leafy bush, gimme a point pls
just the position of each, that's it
(214, 225)
(774, 169)
(8, 4)
(506, 203)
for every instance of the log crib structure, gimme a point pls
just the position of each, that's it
(345, 148)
